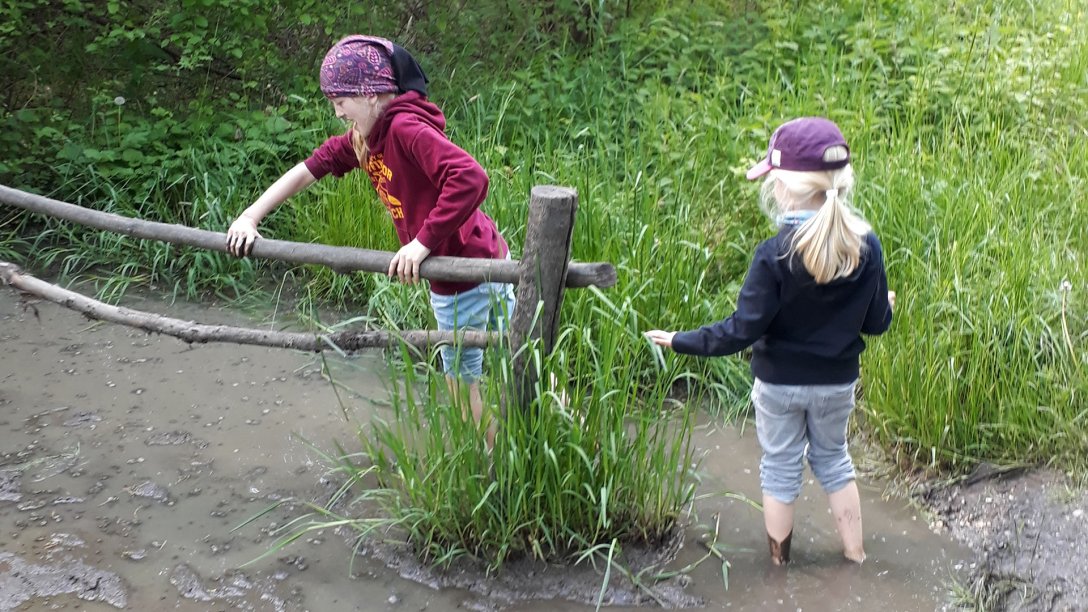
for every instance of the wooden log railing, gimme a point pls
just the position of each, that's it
(192, 332)
(541, 275)
(340, 259)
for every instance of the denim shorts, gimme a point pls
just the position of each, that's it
(487, 306)
(798, 422)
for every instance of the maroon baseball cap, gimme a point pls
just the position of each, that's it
(800, 145)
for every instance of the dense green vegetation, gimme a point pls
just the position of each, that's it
(967, 121)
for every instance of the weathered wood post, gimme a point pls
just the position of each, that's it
(542, 280)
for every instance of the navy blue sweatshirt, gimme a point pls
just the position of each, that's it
(801, 333)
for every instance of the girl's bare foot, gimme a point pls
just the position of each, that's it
(857, 556)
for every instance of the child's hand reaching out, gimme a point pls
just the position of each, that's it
(660, 338)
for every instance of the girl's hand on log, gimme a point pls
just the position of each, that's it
(241, 236)
(660, 338)
(405, 264)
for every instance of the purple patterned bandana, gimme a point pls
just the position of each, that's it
(358, 66)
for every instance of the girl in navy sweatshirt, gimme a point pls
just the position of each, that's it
(811, 291)
(432, 188)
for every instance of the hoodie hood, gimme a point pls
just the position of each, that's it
(411, 106)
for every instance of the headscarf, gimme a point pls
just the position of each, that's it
(409, 75)
(367, 66)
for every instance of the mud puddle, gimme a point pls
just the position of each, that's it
(126, 459)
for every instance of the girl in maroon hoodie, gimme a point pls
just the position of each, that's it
(432, 188)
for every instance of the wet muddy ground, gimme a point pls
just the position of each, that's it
(1030, 534)
(126, 460)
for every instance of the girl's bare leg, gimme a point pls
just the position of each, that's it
(846, 508)
(476, 406)
(778, 518)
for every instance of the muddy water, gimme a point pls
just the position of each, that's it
(127, 459)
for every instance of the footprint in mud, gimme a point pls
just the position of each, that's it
(10, 487)
(234, 588)
(22, 581)
(150, 490)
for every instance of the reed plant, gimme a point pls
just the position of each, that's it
(989, 263)
(598, 461)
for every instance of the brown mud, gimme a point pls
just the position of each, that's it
(1029, 532)
(127, 461)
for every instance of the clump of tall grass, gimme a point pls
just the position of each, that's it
(592, 461)
(988, 266)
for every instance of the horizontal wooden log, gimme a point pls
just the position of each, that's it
(341, 259)
(191, 332)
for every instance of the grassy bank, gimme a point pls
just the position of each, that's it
(967, 124)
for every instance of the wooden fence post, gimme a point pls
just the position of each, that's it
(542, 279)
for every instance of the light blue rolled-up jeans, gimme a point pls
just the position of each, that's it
(487, 306)
(798, 422)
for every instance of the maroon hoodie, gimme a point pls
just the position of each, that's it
(432, 188)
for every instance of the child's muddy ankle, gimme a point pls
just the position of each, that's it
(857, 556)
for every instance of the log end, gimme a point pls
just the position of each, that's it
(597, 274)
(553, 192)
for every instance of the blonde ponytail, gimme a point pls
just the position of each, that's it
(829, 243)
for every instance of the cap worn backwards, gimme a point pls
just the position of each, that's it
(800, 145)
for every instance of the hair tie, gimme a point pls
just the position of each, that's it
(832, 194)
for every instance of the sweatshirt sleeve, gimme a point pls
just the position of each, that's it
(879, 316)
(459, 178)
(757, 305)
(335, 156)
